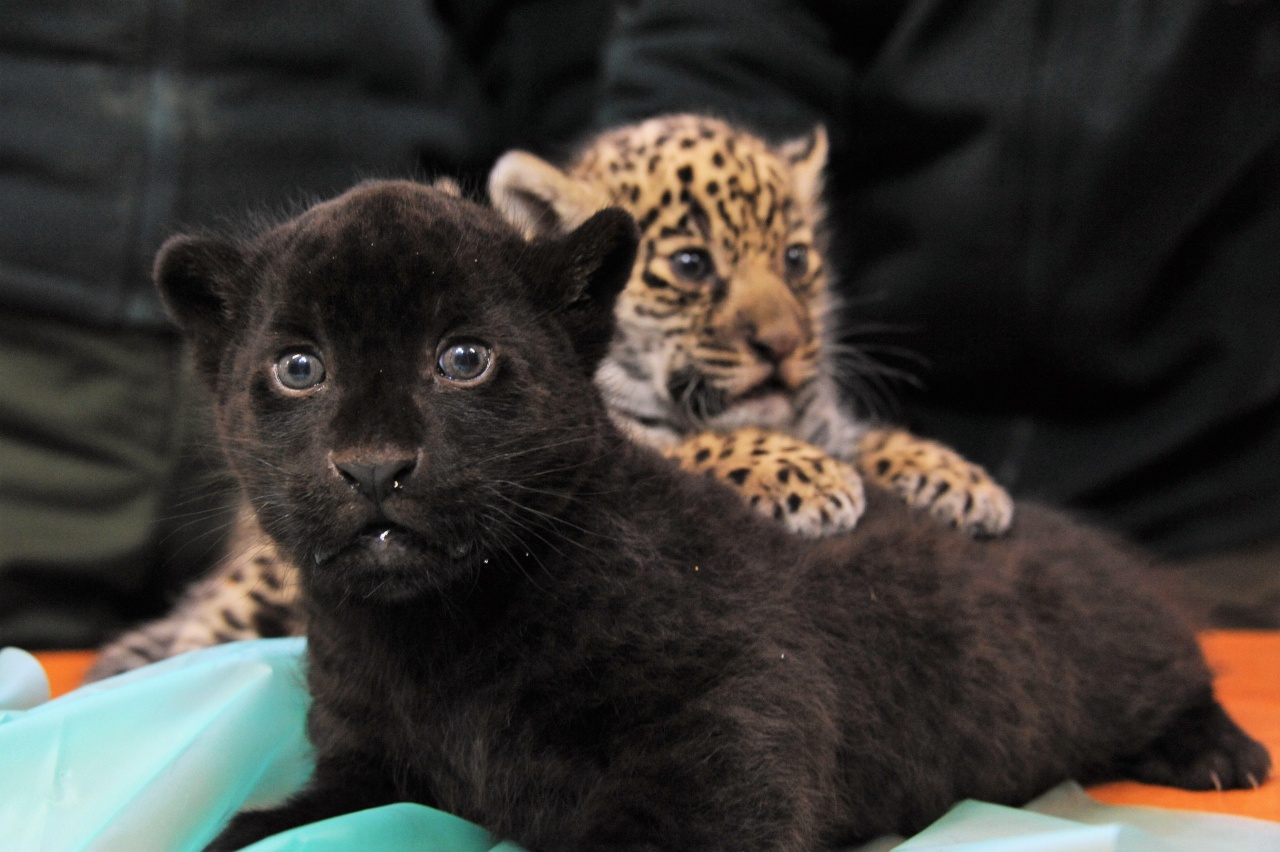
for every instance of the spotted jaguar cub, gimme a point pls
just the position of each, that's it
(720, 358)
(723, 325)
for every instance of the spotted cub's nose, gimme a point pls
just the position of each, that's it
(375, 479)
(774, 342)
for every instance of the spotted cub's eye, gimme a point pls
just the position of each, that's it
(464, 362)
(692, 264)
(299, 371)
(796, 260)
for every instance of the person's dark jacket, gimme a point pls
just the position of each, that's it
(1071, 209)
(122, 121)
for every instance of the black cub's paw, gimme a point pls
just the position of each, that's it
(1202, 750)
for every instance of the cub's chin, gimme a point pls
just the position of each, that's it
(385, 564)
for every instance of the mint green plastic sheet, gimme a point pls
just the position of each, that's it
(158, 759)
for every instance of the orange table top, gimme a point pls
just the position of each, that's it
(1247, 664)
(66, 669)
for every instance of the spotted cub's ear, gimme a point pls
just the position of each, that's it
(807, 157)
(199, 279)
(578, 277)
(539, 198)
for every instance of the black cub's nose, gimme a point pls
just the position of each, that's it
(376, 481)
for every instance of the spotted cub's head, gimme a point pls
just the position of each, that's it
(721, 322)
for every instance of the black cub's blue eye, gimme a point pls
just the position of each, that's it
(692, 264)
(464, 361)
(796, 260)
(299, 371)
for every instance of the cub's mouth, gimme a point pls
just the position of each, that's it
(771, 386)
(386, 563)
(388, 543)
(696, 394)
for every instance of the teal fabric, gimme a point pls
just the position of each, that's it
(394, 828)
(22, 681)
(1067, 820)
(159, 758)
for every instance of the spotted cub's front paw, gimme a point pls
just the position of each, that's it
(929, 476)
(795, 483)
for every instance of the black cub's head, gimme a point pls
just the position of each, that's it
(402, 382)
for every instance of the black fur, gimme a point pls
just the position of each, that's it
(566, 640)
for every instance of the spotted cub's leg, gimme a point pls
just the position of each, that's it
(134, 649)
(930, 476)
(810, 492)
(252, 595)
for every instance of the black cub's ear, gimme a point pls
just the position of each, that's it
(583, 273)
(601, 252)
(197, 278)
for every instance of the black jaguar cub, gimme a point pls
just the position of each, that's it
(521, 617)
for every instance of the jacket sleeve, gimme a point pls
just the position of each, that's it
(772, 65)
(538, 63)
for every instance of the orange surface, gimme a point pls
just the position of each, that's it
(65, 669)
(1247, 664)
